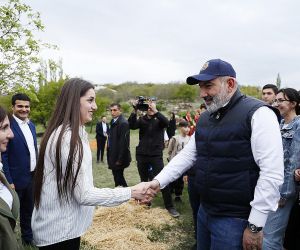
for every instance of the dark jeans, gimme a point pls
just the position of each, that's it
(194, 200)
(177, 186)
(156, 162)
(100, 148)
(215, 232)
(119, 178)
(26, 209)
(72, 244)
(292, 232)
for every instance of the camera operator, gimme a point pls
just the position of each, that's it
(151, 146)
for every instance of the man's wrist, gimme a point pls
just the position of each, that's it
(254, 228)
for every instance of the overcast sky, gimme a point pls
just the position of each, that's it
(113, 41)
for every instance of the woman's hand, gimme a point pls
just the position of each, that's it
(297, 174)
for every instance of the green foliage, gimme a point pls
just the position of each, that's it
(101, 108)
(42, 109)
(106, 94)
(253, 91)
(159, 107)
(186, 92)
(278, 81)
(18, 47)
(126, 107)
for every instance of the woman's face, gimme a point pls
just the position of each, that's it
(87, 106)
(172, 115)
(284, 106)
(5, 134)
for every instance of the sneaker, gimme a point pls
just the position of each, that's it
(173, 212)
(179, 200)
(102, 161)
(98, 162)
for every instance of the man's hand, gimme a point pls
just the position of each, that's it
(118, 163)
(186, 179)
(139, 194)
(252, 241)
(134, 105)
(105, 135)
(12, 186)
(154, 185)
(281, 203)
(152, 106)
(166, 144)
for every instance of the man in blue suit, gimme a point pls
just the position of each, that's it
(19, 161)
(102, 130)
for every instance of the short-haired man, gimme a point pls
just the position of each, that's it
(118, 152)
(237, 148)
(151, 146)
(269, 93)
(102, 130)
(19, 161)
(203, 108)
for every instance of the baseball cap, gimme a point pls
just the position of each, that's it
(211, 70)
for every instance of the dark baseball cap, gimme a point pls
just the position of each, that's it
(211, 70)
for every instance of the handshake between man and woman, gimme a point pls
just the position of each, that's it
(145, 191)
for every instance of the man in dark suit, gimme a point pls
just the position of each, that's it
(118, 152)
(102, 131)
(19, 161)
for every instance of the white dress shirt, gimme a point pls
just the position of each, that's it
(104, 127)
(266, 145)
(54, 222)
(24, 126)
(5, 194)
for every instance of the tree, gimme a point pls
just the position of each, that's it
(278, 82)
(18, 47)
(186, 92)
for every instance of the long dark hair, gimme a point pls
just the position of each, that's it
(3, 114)
(66, 112)
(293, 96)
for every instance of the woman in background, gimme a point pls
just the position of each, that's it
(287, 101)
(9, 200)
(64, 193)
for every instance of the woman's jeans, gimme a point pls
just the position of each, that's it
(276, 225)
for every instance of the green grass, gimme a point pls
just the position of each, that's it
(179, 236)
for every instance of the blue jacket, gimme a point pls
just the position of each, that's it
(16, 158)
(99, 131)
(291, 154)
(226, 171)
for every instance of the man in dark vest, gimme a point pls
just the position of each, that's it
(238, 152)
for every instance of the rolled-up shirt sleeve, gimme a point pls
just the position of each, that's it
(267, 149)
(182, 162)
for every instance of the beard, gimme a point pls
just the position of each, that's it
(218, 100)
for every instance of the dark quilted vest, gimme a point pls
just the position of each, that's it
(226, 171)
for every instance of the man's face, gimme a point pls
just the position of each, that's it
(103, 119)
(21, 109)
(185, 130)
(268, 95)
(115, 111)
(214, 94)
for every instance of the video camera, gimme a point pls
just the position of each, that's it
(141, 105)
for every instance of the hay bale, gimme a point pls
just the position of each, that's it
(125, 227)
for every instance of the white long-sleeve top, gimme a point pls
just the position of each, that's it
(266, 145)
(54, 222)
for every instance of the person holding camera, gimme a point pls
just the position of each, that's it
(151, 146)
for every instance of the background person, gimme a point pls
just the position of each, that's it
(269, 93)
(172, 125)
(64, 193)
(149, 151)
(176, 144)
(19, 161)
(9, 200)
(118, 152)
(102, 130)
(287, 101)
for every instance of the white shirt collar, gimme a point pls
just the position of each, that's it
(19, 121)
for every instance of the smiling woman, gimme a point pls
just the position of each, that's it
(64, 193)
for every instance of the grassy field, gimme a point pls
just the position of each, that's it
(179, 236)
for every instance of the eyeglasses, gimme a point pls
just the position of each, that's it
(280, 101)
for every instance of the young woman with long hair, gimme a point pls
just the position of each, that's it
(9, 200)
(64, 193)
(287, 101)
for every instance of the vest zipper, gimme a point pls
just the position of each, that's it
(208, 165)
